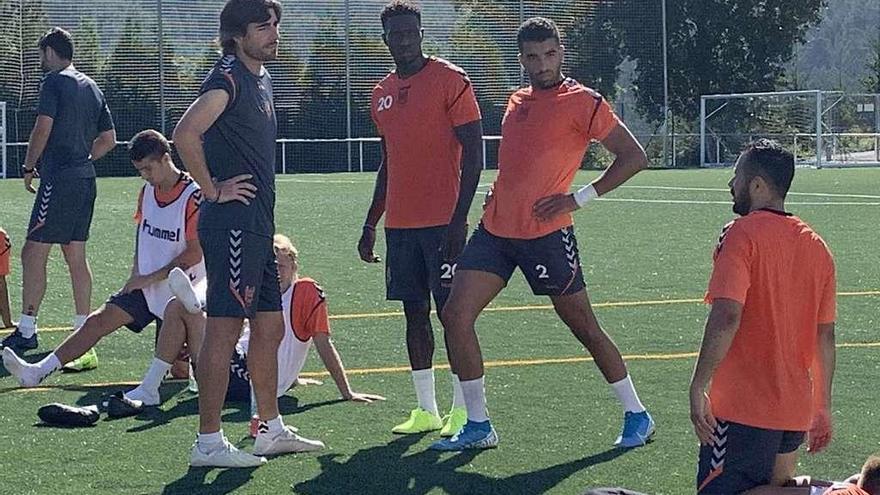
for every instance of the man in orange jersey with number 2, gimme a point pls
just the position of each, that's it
(527, 224)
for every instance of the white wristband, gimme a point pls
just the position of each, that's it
(585, 194)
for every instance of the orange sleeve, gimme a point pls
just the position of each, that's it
(310, 316)
(192, 216)
(598, 119)
(731, 273)
(462, 107)
(374, 102)
(139, 213)
(828, 304)
(5, 253)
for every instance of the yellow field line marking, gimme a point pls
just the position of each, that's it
(405, 369)
(531, 307)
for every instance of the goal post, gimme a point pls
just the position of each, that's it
(3, 154)
(820, 128)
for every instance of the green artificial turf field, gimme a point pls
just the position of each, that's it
(648, 245)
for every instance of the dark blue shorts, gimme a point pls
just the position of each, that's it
(551, 264)
(242, 273)
(135, 304)
(742, 457)
(62, 211)
(239, 389)
(415, 268)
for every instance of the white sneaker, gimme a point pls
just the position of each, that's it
(148, 398)
(178, 282)
(284, 442)
(28, 375)
(225, 456)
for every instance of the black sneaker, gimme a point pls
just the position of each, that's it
(19, 343)
(120, 406)
(64, 415)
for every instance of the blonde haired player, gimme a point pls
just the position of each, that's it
(306, 322)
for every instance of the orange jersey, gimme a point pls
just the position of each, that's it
(416, 117)
(845, 489)
(167, 197)
(545, 134)
(5, 253)
(308, 315)
(783, 274)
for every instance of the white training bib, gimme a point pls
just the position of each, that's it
(161, 238)
(292, 352)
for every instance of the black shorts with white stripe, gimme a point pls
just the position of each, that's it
(742, 457)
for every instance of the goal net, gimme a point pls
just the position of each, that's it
(821, 128)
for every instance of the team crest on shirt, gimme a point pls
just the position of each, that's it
(403, 95)
(522, 113)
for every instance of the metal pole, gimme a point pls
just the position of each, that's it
(161, 68)
(702, 132)
(818, 129)
(876, 128)
(348, 79)
(522, 18)
(361, 154)
(3, 136)
(484, 154)
(283, 157)
(665, 91)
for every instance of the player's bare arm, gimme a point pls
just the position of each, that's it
(721, 327)
(823, 369)
(5, 313)
(377, 208)
(470, 136)
(103, 144)
(629, 159)
(190, 256)
(199, 117)
(36, 145)
(333, 363)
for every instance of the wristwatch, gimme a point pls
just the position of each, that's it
(25, 170)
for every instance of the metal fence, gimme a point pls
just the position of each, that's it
(150, 56)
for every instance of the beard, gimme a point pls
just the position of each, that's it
(741, 206)
(263, 54)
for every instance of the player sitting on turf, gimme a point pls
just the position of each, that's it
(305, 321)
(166, 239)
(5, 252)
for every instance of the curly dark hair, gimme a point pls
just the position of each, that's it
(401, 7)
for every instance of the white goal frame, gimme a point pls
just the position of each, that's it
(825, 153)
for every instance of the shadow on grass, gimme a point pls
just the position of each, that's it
(386, 469)
(194, 481)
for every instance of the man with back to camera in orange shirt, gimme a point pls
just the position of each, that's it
(762, 382)
(427, 115)
(546, 131)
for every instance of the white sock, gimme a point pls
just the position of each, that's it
(154, 375)
(79, 321)
(27, 325)
(49, 365)
(275, 425)
(423, 380)
(210, 441)
(475, 399)
(627, 395)
(457, 395)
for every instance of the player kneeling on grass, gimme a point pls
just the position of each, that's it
(166, 240)
(762, 383)
(305, 321)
